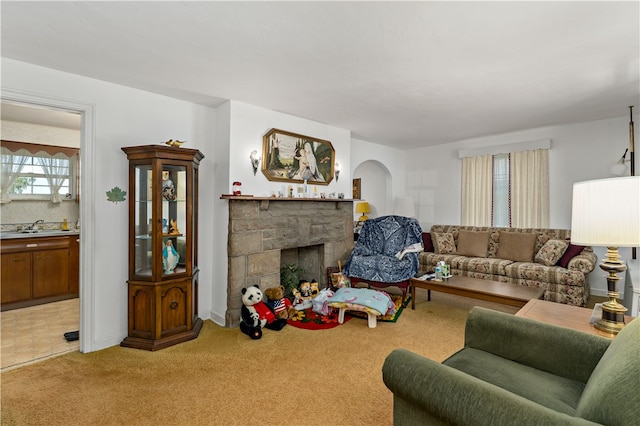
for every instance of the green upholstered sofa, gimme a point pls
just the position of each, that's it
(517, 371)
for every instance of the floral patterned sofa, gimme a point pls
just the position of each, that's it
(525, 256)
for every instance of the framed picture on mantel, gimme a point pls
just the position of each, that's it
(356, 189)
(291, 157)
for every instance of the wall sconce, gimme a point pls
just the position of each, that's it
(620, 168)
(255, 161)
(337, 171)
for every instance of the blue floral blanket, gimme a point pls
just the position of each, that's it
(387, 250)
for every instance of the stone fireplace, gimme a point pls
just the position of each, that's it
(267, 232)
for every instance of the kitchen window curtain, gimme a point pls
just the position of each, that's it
(12, 164)
(56, 170)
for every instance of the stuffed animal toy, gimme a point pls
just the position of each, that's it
(304, 294)
(280, 305)
(255, 314)
(321, 302)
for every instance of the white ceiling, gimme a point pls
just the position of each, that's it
(41, 116)
(403, 74)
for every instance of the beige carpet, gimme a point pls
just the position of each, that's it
(294, 376)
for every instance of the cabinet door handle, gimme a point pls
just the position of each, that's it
(32, 245)
(173, 305)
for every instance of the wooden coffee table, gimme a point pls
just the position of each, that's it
(563, 315)
(492, 291)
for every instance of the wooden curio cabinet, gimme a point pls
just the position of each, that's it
(163, 246)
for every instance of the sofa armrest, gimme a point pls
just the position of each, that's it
(426, 391)
(585, 262)
(557, 350)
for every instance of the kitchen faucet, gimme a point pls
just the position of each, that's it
(34, 225)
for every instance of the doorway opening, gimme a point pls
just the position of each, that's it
(83, 115)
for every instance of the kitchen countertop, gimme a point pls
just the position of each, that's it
(10, 235)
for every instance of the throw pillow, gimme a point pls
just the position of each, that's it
(472, 243)
(443, 242)
(551, 252)
(572, 251)
(516, 246)
(427, 243)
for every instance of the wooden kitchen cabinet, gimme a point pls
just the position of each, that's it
(50, 272)
(16, 277)
(38, 270)
(162, 289)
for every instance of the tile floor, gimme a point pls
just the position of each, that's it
(35, 333)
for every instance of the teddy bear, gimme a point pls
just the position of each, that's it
(304, 294)
(280, 305)
(255, 314)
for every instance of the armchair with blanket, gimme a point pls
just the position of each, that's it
(386, 253)
(518, 371)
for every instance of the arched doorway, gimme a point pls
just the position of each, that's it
(375, 187)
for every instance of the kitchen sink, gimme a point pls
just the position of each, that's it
(34, 233)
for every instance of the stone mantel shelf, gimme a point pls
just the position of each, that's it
(251, 198)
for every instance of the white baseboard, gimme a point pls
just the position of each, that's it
(598, 292)
(217, 319)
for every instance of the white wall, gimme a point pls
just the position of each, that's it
(249, 124)
(123, 116)
(578, 152)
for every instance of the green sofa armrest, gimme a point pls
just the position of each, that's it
(427, 392)
(557, 350)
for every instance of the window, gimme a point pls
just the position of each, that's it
(513, 192)
(500, 206)
(38, 172)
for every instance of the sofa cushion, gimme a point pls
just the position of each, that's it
(547, 389)
(431, 259)
(516, 246)
(427, 242)
(481, 265)
(611, 395)
(551, 252)
(443, 242)
(572, 251)
(473, 244)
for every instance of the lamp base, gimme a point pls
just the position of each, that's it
(363, 218)
(612, 320)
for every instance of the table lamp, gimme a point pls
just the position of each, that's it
(363, 208)
(606, 212)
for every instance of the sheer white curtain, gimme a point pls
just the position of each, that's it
(55, 169)
(477, 182)
(12, 164)
(530, 189)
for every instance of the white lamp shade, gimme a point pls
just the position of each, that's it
(404, 206)
(606, 212)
